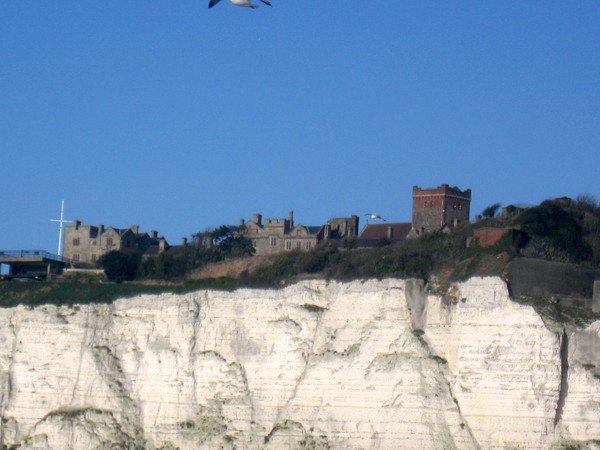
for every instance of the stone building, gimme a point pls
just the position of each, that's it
(435, 209)
(270, 236)
(84, 244)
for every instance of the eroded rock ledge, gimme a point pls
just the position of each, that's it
(376, 364)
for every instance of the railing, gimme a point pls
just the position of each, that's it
(31, 254)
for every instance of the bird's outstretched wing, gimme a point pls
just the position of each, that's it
(375, 216)
(213, 3)
(265, 2)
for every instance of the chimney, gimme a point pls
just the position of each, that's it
(100, 229)
(154, 234)
(184, 241)
(291, 218)
(135, 228)
(390, 233)
(77, 224)
(242, 222)
(257, 219)
(162, 245)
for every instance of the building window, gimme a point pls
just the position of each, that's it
(288, 245)
(298, 244)
(75, 257)
(93, 257)
(94, 242)
(75, 242)
(109, 242)
(308, 245)
(273, 242)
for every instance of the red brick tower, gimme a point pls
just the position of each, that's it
(435, 208)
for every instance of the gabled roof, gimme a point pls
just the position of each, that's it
(314, 229)
(300, 230)
(379, 231)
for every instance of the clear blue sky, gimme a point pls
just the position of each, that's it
(175, 117)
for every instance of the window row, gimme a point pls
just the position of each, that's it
(109, 242)
(77, 257)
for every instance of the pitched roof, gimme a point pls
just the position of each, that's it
(379, 231)
(314, 229)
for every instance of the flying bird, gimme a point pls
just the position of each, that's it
(375, 216)
(239, 3)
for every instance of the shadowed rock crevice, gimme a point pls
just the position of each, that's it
(6, 387)
(416, 300)
(564, 377)
(112, 373)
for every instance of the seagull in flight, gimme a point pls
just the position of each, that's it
(239, 3)
(375, 216)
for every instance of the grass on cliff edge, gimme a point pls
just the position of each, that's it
(417, 258)
(78, 292)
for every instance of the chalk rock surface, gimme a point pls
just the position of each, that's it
(375, 364)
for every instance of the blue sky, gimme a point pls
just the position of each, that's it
(175, 117)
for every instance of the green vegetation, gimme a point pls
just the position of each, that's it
(490, 211)
(120, 266)
(313, 308)
(548, 308)
(220, 244)
(561, 230)
(74, 292)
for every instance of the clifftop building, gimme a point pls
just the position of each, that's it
(270, 236)
(437, 208)
(84, 244)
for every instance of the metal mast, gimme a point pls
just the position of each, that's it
(61, 221)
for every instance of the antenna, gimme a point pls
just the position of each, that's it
(61, 221)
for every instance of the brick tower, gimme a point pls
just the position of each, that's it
(436, 208)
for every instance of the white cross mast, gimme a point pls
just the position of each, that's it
(62, 222)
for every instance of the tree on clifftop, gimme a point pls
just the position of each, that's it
(232, 242)
(119, 266)
(490, 211)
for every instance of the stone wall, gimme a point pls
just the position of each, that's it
(272, 236)
(85, 244)
(540, 278)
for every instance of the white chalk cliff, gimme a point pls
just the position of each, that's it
(375, 364)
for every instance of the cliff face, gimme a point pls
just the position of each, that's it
(377, 364)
